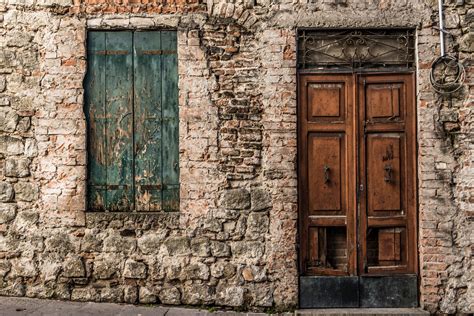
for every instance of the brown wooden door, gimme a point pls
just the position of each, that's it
(357, 174)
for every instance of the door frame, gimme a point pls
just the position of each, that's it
(301, 186)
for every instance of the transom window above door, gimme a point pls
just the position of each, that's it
(131, 106)
(350, 49)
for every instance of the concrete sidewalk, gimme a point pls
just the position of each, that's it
(15, 306)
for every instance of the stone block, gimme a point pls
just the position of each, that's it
(23, 125)
(170, 295)
(469, 17)
(114, 295)
(254, 273)
(230, 295)
(6, 192)
(261, 199)
(105, 269)
(197, 271)
(15, 289)
(26, 191)
(17, 167)
(92, 241)
(261, 294)
(257, 225)
(23, 267)
(84, 294)
(117, 243)
(196, 294)
(11, 145)
(59, 242)
(200, 247)
(467, 43)
(150, 243)
(5, 267)
(177, 246)
(74, 268)
(146, 295)
(130, 294)
(220, 249)
(223, 269)
(236, 199)
(248, 249)
(134, 269)
(8, 119)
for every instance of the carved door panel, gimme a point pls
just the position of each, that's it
(357, 175)
(387, 171)
(327, 162)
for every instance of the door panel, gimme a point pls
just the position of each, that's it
(326, 101)
(384, 174)
(326, 128)
(326, 173)
(357, 174)
(387, 170)
(384, 101)
(328, 250)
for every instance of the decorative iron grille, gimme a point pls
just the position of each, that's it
(352, 49)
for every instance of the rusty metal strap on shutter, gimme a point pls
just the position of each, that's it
(351, 49)
(112, 52)
(156, 52)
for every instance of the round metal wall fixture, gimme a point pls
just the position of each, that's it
(447, 75)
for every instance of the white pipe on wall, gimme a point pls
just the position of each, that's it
(441, 26)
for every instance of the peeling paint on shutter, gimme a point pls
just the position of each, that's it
(148, 122)
(170, 152)
(132, 113)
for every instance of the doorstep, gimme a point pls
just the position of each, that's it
(362, 311)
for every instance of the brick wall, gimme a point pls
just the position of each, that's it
(234, 241)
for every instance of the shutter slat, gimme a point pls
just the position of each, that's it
(148, 121)
(170, 150)
(95, 116)
(119, 128)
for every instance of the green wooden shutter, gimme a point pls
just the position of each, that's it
(132, 112)
(170, 151)
(119, 129)
(96, 118)
(148, 129)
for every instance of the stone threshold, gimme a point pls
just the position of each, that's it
(362, 311)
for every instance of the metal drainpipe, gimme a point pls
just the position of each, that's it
(441, 26)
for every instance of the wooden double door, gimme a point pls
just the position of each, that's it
(357, 174)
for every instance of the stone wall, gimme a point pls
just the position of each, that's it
(234, 240)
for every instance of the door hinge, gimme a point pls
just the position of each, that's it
(361, 188)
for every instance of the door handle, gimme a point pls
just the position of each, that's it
(388, 173)
(326, 174)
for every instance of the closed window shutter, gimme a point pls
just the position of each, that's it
(96, 119)
(170, 151)
(132, 113)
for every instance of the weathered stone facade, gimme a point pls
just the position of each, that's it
(233, 242)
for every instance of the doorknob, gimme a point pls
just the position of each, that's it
(388, 173)
(326, 174)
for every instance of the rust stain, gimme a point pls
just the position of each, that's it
(112, 52)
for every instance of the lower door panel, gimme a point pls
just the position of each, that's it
(398, 291)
